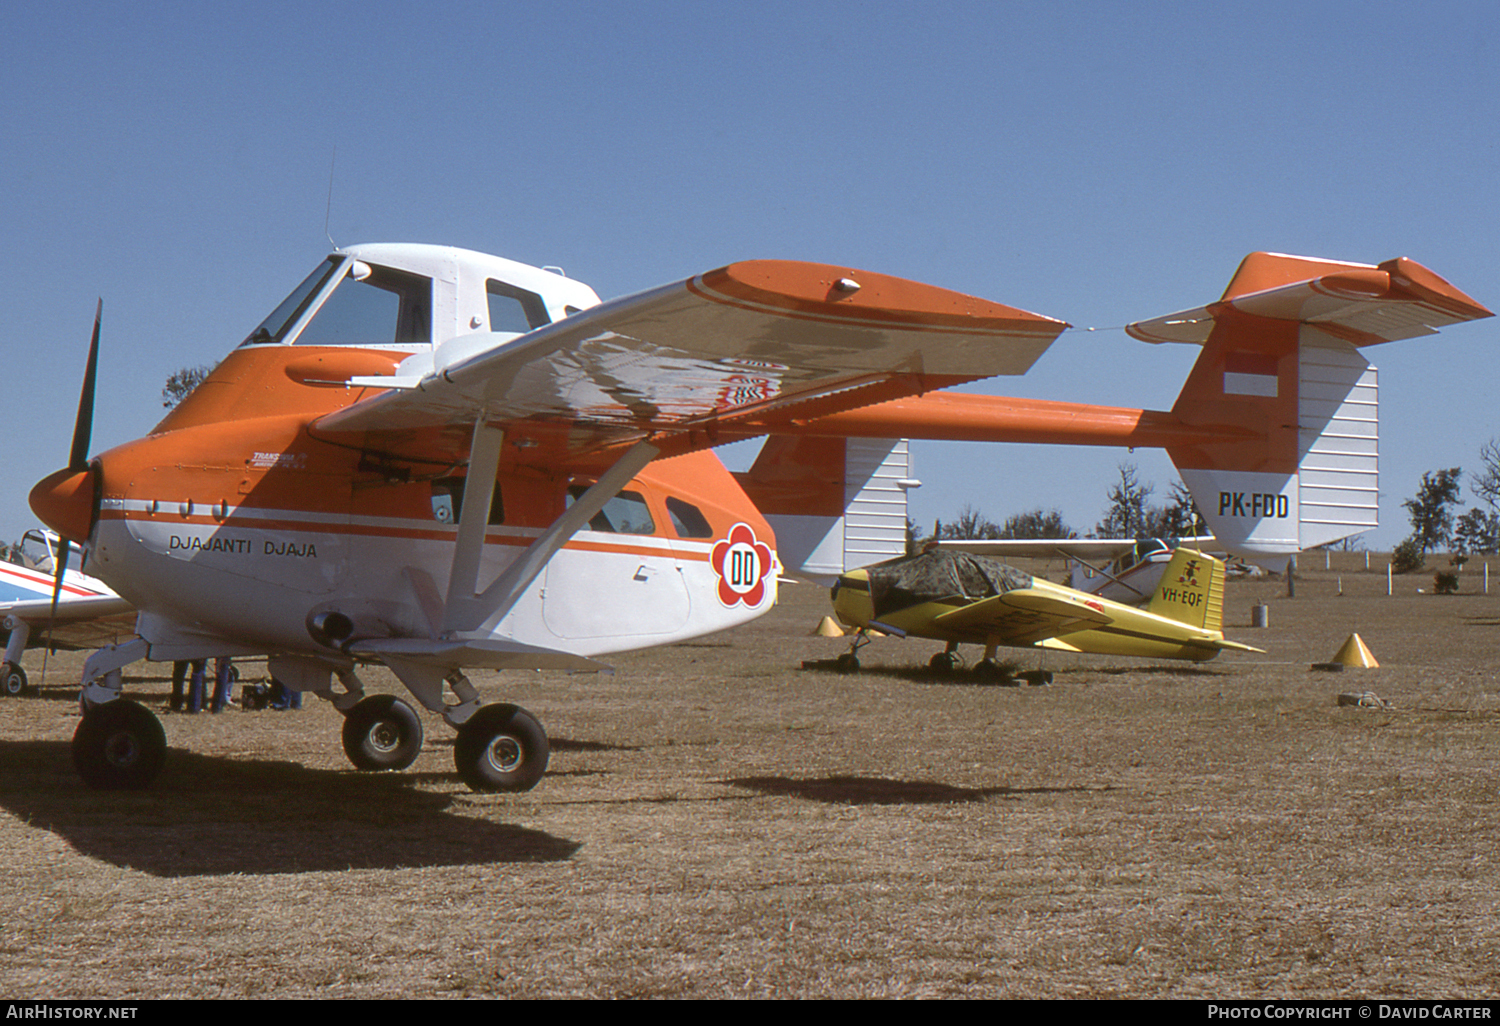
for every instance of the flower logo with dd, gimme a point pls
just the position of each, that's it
(742, 564)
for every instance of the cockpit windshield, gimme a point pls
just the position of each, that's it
(271, 330)
(39, 551)
(368, 305)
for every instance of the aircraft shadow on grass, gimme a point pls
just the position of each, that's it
(855, 790)
(210, 816)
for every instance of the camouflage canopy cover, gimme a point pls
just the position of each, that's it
(937, 575)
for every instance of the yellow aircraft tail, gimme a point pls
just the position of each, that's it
(1191, 591)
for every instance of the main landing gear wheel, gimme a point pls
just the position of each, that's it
(12, 681)
(382, 732)
(501, 748)
(991, 672)
(846, 663)
(944, 662)
(119, 746)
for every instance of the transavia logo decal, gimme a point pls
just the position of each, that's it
(1189, 574)
(742, 564)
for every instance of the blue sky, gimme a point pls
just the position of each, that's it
(1098, 162)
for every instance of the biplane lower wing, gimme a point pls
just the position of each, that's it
(1022, 618)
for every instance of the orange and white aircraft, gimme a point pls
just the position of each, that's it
(438, 460)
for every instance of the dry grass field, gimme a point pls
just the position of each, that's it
(718, 822)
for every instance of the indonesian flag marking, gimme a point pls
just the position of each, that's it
(742, 564)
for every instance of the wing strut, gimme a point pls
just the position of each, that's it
(1105, 573)
(473, 519)
(481, 612)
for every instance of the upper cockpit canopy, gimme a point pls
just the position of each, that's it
(409, 297)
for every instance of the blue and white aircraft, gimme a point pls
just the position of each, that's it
(87, 615)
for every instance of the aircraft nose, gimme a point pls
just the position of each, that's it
(64, 501)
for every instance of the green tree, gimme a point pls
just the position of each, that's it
(181, 382)
(1128, 515)
(1477, 532)
(1431, 509)
(1037, 523)
(1180, 517)
(1407, 557)
(1486, 484)
(970, 524)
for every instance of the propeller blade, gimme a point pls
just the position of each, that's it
(78, 458)
(61, 557)
(83, 427)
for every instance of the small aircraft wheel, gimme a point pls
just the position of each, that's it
(943, 662)
(992, 672)
(13, 680)
(119, 746)
(382, 732)
(846, 663)
(501, 748)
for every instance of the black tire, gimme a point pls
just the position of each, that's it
(944, 663)
(846, 663)
(501, 748)
(13, 683)
(119, 746)
(382, 732)
(991, 672)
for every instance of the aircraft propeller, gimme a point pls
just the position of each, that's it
(78, 455)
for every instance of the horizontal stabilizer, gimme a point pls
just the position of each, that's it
(1362, 304)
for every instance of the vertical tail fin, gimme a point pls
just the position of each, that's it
(1282, 371)
(836, 504)
(1191, 591)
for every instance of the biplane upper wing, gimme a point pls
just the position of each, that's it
(727, 344)
(1088, 548)
(1076, 548)
(1024, 617)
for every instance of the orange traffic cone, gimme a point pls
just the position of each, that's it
(827, 628)
(1356, 653)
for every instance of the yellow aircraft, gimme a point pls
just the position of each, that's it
(962, 598)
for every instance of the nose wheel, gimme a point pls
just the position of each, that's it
(382, 732)
(501, 748)
(119, 746)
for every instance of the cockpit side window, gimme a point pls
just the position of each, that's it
(514, 309)
(688, 520)
(271, 330)
(626, 513)
(388, 307)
